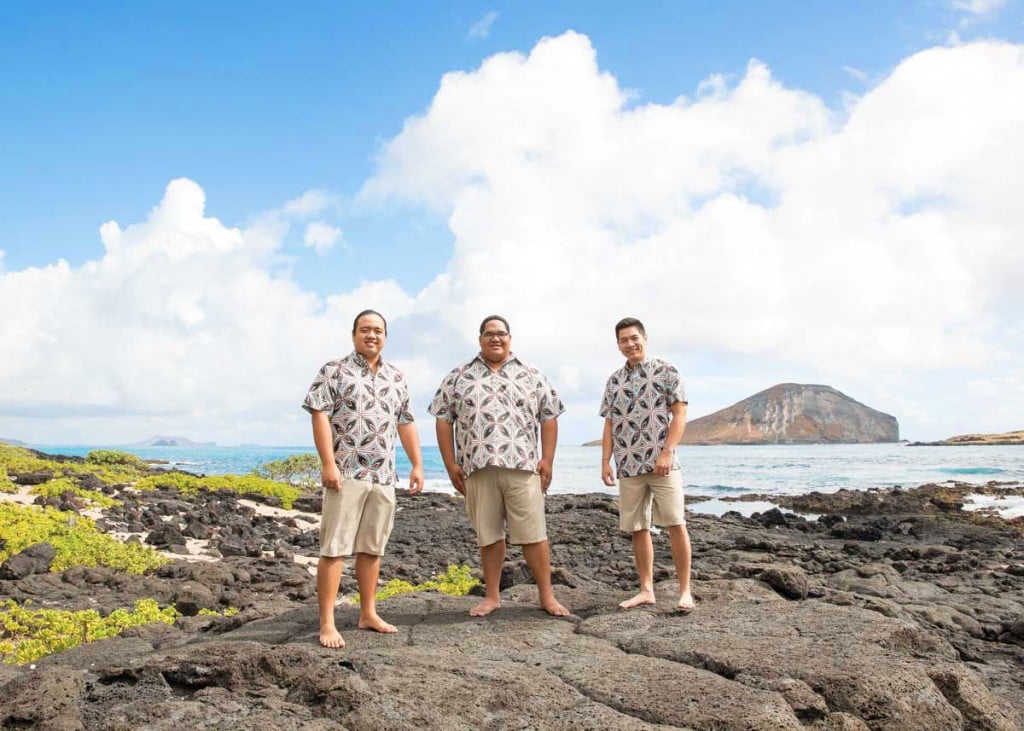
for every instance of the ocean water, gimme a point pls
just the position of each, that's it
(725, 471)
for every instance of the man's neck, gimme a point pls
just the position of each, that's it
(373, 362)
(495, 366)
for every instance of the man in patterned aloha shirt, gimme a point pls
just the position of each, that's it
(644, 410)
(492, 407)
(359, 404)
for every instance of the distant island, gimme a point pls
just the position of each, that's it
(972, 440)
(162, 441)
(793, 413)
(13, 442)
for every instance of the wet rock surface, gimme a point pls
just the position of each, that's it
(887, 610)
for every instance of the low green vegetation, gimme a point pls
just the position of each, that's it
(29, 634)
(5, 482)
(191, 485)
(228, 612)
(302, 470)
(455, 581)
(77, 540)
(112, 469)
(56, 488)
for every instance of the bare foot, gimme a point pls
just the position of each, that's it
(377, 625)
(331, 638)
(643, 597)
(485, 607)
(555, 609)
(686, 603)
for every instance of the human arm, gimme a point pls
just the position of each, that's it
(445, 431)
(607, 473)
(676, 428)
(323, 438)
(411, 444)
(548, 442)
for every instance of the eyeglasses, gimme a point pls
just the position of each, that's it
(631, 339)
(494, 335)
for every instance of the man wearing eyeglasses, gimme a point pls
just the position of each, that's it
(644, 410)
(487, 416)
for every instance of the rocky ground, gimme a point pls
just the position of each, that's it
(892, 610)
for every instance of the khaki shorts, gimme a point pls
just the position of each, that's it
(496, 495)
(358, 518)
(637, 495)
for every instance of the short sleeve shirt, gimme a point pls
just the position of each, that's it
(496, 413)
(639, 401)
(365, 410)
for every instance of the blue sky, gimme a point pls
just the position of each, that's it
(260, 103)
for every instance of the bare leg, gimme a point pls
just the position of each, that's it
(328, 576)
(643, 557)
(367, 571)
(491, 559)
(681, 557)
(538, 558)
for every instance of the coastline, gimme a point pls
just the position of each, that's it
(892, 608)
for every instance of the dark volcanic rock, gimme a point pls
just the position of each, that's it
(793, 413)
(907, 616)
(35, 559)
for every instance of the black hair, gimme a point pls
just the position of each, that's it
(364, 313)
(495, 317)
(629, 322)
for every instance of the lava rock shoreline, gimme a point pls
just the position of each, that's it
(893, 609)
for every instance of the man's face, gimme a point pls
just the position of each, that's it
(632, 344)
(369, 336)
(495, 342)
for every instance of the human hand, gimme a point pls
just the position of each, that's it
(416, 480)
(664, 463)
(458, 478)
(608, 475)
(544, 470)
(330, 476)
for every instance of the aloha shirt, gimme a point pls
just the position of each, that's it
(638, 399)
(365, 410)
(496, 413)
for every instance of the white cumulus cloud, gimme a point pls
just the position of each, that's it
(321, 236)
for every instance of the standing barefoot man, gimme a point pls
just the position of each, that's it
(359, 405)
(644, 410)
(492, 407)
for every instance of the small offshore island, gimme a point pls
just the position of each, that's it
(976, 440)
(882, 609)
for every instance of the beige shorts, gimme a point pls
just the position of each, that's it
(496, 496)
(358, 518)
(637, 496)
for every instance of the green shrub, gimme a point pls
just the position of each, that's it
(56, 488)
(112, 457)
(456, 581)
(29, 634)
(76, 539)
(229, 612)
(191, 485)
(296, 469)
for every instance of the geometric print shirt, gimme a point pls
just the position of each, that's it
(365, 409)
(638, 400)
(496, 413)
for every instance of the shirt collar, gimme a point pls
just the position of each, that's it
(360, 360)
(640, 367)
(480, 357)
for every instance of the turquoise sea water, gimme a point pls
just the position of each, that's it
(709, 471)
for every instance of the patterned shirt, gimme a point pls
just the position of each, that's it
(639, 402)
(365, 409)
(496, 413)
